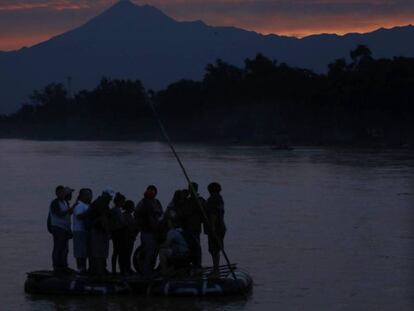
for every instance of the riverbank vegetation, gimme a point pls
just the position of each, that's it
(362, 101)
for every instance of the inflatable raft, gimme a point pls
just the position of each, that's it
(49, 283)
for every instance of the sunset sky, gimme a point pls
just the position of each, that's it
(26, 22)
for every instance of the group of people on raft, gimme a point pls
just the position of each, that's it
(172, 235)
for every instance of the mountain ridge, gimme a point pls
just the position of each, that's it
(123, 6)
(130, 41)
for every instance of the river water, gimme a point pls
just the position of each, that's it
(318, 229)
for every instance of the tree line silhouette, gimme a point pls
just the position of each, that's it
(360, 102)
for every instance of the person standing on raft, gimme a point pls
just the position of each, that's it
(80, 230)
(99, 232)
(148, 213)
(192, 219)
(59, 225)
(216, 228)
(118, 234)
(130, 234)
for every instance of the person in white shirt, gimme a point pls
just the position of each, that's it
(80, 229)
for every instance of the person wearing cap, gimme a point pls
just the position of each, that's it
(80, 229)
(59, 225)
(98, 218)
(148, 213)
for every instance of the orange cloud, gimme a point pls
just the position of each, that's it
(22, 6)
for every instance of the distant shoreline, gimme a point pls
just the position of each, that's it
(367, 103)
(355, 146)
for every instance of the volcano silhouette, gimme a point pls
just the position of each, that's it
(140, 42)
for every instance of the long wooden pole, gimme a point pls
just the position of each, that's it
(192, 190)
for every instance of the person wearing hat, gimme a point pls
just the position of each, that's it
(59, 225)
(99, 232)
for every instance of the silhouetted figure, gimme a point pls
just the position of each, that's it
(130, 235)
(148, 215)
(81, 229)
(216, 228)
(117, 227)
(59, 225)
(192, 218)
(99, 232)
(175, 208)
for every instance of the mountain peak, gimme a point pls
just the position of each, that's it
(125, 12)
(124, 4)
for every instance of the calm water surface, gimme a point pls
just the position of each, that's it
(317, 229)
